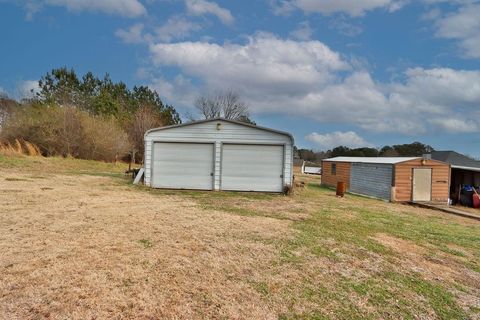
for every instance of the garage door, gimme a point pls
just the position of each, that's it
(252, 168)
(182, 166)
(373, 180)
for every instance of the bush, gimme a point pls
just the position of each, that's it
(67, 131)
(103, 139)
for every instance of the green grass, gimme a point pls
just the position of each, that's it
(146, 243)
(334, 232)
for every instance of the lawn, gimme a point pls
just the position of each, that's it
(78, 241)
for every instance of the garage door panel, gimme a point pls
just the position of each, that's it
(252, 168)
(183, 166)
(371, 179)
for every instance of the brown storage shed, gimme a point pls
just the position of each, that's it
(394, 179)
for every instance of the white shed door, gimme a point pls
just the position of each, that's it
(422, 184)
(182, 166)
(252, 168)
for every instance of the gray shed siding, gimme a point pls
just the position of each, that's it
(232, 133)
(373, 180)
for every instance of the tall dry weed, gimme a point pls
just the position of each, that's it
(19, 148)
(32, 149)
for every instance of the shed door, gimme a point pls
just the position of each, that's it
(182, 166)
(373, 180)
(252, 168)
(422, 184)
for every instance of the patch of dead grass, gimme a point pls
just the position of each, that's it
(67, 254)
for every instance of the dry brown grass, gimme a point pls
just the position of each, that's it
(73, 248)
(19, 148)
(85, 247)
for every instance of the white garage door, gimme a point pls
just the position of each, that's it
(252, 168)
(182, 166)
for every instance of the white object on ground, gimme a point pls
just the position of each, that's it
(139, 176)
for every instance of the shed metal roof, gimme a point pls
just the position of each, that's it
(379, 160)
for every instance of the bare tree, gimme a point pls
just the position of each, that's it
(145, 118)
(7, 106)
(227, 104)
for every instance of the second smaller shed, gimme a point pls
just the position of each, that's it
(395, 179)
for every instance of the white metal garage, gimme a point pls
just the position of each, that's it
(218, 154)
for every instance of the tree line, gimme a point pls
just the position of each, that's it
(415, 149)
(85, 117)
(96, 118)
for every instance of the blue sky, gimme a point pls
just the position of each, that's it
(349, 72)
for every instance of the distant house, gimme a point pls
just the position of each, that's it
(465, 171)
(394, 179)
(312, 170)
(307, 167)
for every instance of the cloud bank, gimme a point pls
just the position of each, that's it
(307, 78)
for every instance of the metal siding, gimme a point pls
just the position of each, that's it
(183, 166)
(228, 133)
(373, 180)
(148, 161)
(252, 167)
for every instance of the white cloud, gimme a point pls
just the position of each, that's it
(303, 31)
(353, 8)
(456, 125)
(125, 8)
(264, 61)
(176, 28)
(464, 26)
(334, 139)
(134, 34)
(27, 89)
(307, 78)
(180, 91)
(345, 27)
(431, 15)
(202, 7)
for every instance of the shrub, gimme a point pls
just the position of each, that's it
(103, 139)
(67, 131)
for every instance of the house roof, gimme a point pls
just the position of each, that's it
(221, 119)
(456, 160)
(379, 160)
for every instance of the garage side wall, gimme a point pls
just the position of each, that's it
(404, 179)
(207, 132)
(342, 173)
(373, 180)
